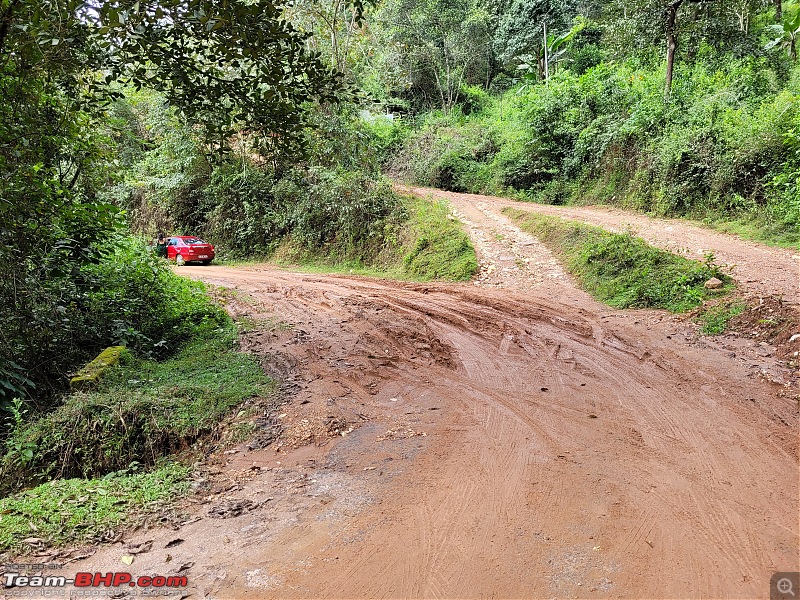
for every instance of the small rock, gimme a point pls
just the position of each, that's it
(795, 337)
(714, 284)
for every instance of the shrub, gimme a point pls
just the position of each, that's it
(724, 146)
(122, 294)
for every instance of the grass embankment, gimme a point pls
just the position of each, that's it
(95, 452)
(428, 245)
(620, 269)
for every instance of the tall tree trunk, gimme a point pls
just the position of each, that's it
(778, 11)
(546, 57)
(672, 43)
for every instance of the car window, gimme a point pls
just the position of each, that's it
(191, 241)
(172, 242)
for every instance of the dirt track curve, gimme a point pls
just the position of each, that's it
(759, 268)
(503, 438)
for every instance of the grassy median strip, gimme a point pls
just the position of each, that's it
(620, 269)
(439, 246)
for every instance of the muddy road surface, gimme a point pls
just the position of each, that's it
(502, 438)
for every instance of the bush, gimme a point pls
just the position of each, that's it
(449, 153)
(345, 212)
(724, 146)
(121, 295)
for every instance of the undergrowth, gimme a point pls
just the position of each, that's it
(620, 269)
(141, 412)
(429, 245)
(78, 510)
(725, 149)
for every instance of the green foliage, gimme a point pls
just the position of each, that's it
(221, 68)
(441, 249)
(440, 45)
(520, 34)
(619, 269)
(343, 210)
(428, 245)
(79, 510)
(251, 211)
(449, 152)
(787, 31)
(216, 63)
(141, 412)
(715, 318)
(123, 296)
(723, 147)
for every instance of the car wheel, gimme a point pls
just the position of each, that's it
(180, 260)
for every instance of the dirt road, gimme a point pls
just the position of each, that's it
(504, 438)
(759, 268)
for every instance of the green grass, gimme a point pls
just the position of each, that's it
(66, 511)
(439, 248)
(780, 235)
(142, 412)
(621, 270)
(429, 246)
(715, 319)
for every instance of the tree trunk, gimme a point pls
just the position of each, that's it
(546, 57)
(778, 11)
(672, 43)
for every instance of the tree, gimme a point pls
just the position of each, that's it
(671, 15)
(521, 30)
(787, 32)
(441, 45)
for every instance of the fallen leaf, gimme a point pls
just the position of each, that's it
(127, 559)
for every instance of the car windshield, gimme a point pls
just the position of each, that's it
(190, 241)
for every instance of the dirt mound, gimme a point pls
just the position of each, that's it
(771, 320)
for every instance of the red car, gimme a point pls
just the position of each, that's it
(188, 248)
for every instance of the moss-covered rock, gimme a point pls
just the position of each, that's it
(93, 371)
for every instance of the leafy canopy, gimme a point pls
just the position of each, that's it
(226, 66)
